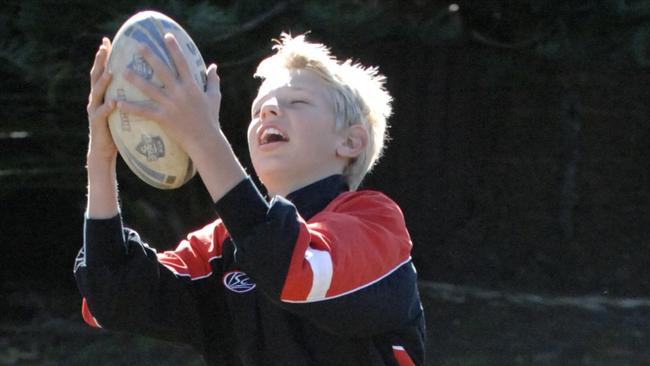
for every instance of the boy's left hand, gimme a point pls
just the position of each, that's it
(187, 113)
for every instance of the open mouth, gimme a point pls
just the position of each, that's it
(271, 135)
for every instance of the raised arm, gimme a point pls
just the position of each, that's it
(124, 284)
(102, 152)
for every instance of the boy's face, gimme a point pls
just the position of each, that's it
(292, 137)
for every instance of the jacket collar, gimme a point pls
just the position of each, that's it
(311, 199)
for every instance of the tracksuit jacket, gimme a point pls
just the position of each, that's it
(323, 277)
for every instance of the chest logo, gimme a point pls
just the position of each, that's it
(237, 281)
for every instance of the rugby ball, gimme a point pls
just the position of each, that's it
(147, 150)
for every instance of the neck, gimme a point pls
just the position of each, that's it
(279, 189)
(285, 187)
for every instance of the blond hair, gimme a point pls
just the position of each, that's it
(359, 94)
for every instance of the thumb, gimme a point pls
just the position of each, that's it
(213, 82)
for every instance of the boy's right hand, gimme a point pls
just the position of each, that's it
(101, 145)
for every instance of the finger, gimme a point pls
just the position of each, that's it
(159, 67)
(101, 59)
(152, 91)
(98, 90)
(179, 59)
(99, 64)
(105, 110)
(213, 86)
(147, 111)
(107, 42)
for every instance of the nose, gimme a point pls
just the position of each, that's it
(269, 108)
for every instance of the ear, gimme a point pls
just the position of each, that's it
(354, 141)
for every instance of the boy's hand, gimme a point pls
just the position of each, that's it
(187, 113)
(190, 116)
(101, 145)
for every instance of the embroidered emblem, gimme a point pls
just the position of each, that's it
(237, 281)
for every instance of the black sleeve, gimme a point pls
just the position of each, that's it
(264, 254)
(127, 289)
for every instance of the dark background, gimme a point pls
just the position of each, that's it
(519, 148)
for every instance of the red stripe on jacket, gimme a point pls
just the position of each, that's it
(402, 357)
(193, 255)
(87, 315)
(359, 238)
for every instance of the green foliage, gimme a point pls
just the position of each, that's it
(491, 72)
(49, 44)
(641, 46)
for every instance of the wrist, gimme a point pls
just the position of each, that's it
(97, 161)
(201, 143)
(217, 164)
(210, 150)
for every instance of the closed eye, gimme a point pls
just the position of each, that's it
(298, 101)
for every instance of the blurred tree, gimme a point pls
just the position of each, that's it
(497, 122)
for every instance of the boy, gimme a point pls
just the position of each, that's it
(320, 275)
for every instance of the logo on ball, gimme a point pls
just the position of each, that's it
(152, 147)
(140, 66)
(237, 281)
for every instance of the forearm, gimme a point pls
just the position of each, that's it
(102, 187)
(217, 164)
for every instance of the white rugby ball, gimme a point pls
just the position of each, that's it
(144, 146)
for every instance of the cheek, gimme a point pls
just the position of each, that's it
(250, 133)
(322, 134)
